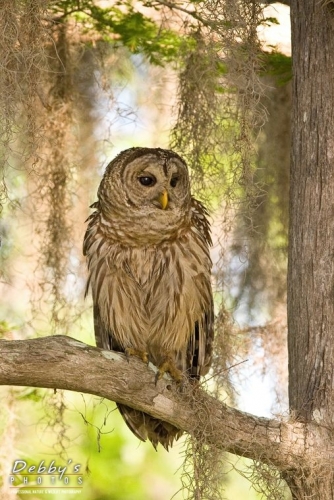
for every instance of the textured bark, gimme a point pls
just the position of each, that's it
(311, 263)
(311, 250)
(64, 363)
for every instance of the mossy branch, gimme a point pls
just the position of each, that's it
(61, 362)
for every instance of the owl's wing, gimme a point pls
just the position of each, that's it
(102, 336)
(199, 350)
(91, 247)
(199, 218)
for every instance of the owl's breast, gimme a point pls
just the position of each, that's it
(123, 281)
(181, 294)
(151, 297)
(144, 265)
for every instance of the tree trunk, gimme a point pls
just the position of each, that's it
(311, 248)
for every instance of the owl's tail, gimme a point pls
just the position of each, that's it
(146, 427)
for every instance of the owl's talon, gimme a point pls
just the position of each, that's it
(143, 355)
(168, 366)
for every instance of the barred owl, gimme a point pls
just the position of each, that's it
(147, 247)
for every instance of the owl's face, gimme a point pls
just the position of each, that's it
(149, 187)
(155, 183)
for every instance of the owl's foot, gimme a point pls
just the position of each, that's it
(168, 366)
(129, 351)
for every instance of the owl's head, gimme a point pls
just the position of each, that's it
(146, 186)
(150, 179)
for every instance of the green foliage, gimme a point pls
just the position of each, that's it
(4, 328)
(31, 393)
(270, 20)
(121, 24)
(114, 465)
(277, 65)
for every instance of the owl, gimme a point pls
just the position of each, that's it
(147, 248)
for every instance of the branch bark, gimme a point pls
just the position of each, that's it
(61, 362)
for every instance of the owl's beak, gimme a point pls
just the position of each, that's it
(163, 199)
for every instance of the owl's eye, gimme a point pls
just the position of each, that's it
(174, 181)
(146, 180)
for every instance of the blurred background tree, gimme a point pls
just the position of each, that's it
(79, 82)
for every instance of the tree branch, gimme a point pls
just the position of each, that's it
(176, 6)
(61, 362)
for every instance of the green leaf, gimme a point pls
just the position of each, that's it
(277, 65)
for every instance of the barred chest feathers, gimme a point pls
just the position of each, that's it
(150, 297)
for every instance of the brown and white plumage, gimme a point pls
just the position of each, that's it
(147, 245)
